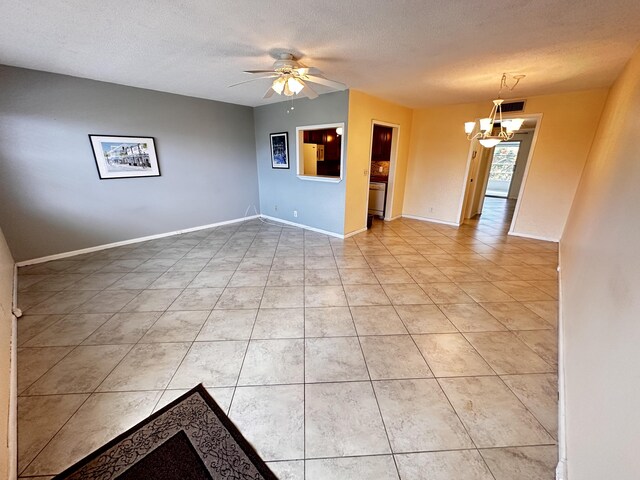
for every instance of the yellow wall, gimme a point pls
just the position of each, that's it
(600, 299)
(7, 463)
(439, 155)
(363, 109)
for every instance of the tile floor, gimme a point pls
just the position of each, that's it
(413, 351)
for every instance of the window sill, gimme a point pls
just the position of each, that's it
(320, 178)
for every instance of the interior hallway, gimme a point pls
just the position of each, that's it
(413, 350)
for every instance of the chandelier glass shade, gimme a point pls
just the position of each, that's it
(489, 134)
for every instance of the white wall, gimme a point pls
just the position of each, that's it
(7, 463)
(600, 297)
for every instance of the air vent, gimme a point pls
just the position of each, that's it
(514, 106)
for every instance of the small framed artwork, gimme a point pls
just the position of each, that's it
(124, 156)
(279, 150)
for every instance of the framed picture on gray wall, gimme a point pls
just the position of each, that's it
(124, 156)
(279, 150)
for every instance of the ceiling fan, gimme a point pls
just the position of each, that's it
(291, 78)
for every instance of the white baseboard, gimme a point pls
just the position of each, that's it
(72, 253)
(432, 220)
(393, 218)
(561, 470)
(305, 227)
(533, 237)
(355, 232)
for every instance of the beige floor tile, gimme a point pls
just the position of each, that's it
(485, 292)
(381, 467)
(342, 419)
(171, 280)
(450, 355)
(544, 343)
(506, 354)
(71, 330)
(228, 325)
(211, 279)
(393, 275)
(328, 322)
(461, 464)
(283, 297)
(256, 263)
(548, 310)
(272, 419)
(324, 296)
(123, 328)
(550, 287)
(288, 469)
(59, 282)
(522, 291)
(377, 320)
(471, 318)
(334, 359)
(221, 395)
(279, 323)
(31, 325)
(102, 417)
(424, 319)
(418, 416)
(34, 362)
(285, 278)
(381, 261)
(39, 419)
(152, 301)
(446, 292)
(61, 302)
(393, 357)
(249, 278)
(539, 393)
(360, 295)
(492, 414)
(147, 366)
(522, 463)
(516, 316)
(197, 299)
(81, 371)
(406, 294)
(349, 262)
(214, 364)
(241, 297)
(358, 276)
(176, 327)
(322, 277)
(135, 281)
(110, 301)
(270, 362)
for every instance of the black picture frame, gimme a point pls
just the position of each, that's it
(279, 150)
(124, 156)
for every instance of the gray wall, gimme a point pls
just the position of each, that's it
(319, 204)
(51, 198)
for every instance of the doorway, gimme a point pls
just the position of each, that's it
(382, 158)
(503, 165)
(496, 176)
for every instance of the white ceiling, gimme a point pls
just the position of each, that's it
(413, 52)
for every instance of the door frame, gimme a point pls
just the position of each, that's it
(395, 145)
(516, 211)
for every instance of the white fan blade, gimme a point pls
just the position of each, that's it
(269, 93)
(259, 71)
(325, 82)
(307, 71)
(309, 92)
(252, 80)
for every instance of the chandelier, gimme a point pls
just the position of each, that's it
(486, 135)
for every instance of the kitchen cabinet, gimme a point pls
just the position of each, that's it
(381, 143)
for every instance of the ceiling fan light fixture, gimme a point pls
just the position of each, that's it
(278, 85)
(516, 124)
(295, 85)
(339, 131)
(485, 124)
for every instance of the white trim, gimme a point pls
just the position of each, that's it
(432, 220)
(525, 175)
(105, 246)
(533, 237)
(300, 154)
(12, 424)
(319, 178)
(305, 227)
(393, 218)
(356, 232)
(561, 468)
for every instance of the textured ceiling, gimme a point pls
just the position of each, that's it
(413, 52)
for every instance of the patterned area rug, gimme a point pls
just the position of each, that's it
(189, 439)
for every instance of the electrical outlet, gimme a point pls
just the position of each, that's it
(275, 207)
(295, 213)
(430, 209)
